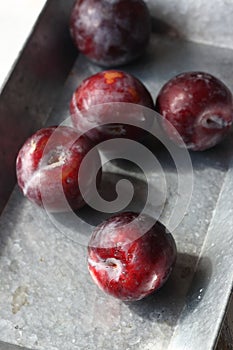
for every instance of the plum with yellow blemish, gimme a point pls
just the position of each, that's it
(110, 32)
(104, 88)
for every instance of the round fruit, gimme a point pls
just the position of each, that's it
(108, 87)
(47, 168)
(110, 32)
(129, 261)
(199, 106)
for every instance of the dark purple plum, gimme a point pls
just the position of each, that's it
(110, 32)
(199, 106)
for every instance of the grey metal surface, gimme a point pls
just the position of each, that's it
(200, 21)
(5, 346)
(47, 298)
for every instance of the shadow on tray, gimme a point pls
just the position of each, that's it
(182, 292)
(93, 217)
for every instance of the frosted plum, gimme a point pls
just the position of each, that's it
(110, 32)
(48, 162)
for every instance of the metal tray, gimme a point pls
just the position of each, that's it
(47, 299)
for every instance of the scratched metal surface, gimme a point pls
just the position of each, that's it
(47, 298)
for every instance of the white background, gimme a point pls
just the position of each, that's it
(17, 18)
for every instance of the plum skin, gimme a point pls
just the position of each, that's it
(42, 166)
(126, 264)
(107, 87)
(199, 106)
(110, 32)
